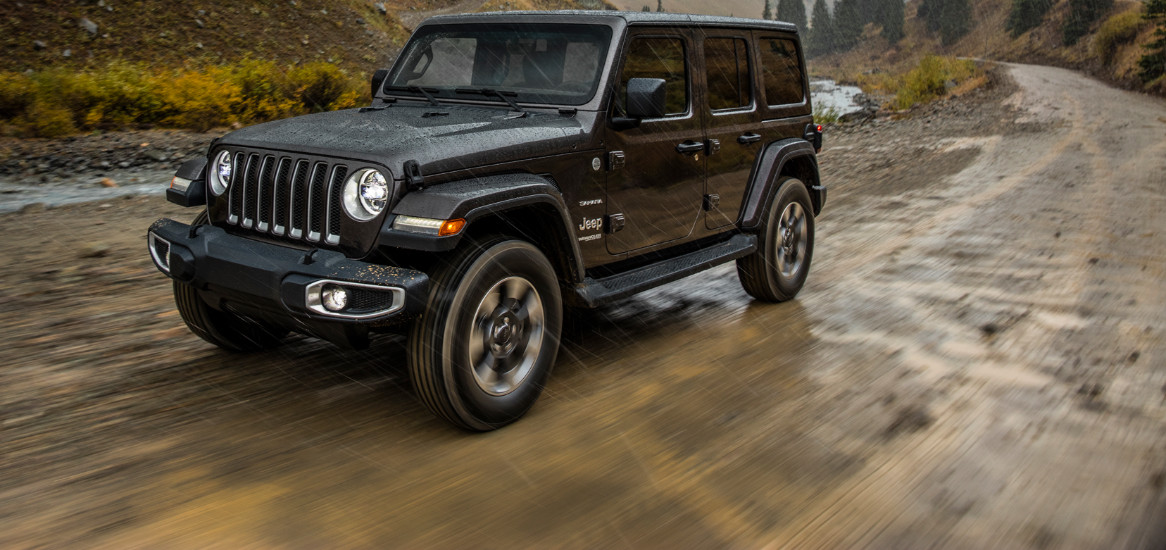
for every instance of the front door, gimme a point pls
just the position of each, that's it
(659, 187)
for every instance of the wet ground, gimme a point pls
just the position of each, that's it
(976, 361)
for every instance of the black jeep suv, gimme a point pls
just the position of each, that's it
(511, 164)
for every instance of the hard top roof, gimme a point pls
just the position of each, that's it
(631, 17)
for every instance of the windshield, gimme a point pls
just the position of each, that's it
(554, 64)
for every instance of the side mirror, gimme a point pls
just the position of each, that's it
(378, 80)
(646, 98)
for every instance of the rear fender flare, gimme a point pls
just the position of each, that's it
(762, 185)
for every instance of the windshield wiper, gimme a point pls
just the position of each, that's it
(417, 90)
(504, 96)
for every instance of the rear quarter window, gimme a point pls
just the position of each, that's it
(781, 71)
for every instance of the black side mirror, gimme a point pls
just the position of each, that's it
(646, 97)
(378, 80)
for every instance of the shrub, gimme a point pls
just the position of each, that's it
(929, 81)
(46, 119)
(200, 100)
(322, 87)
(17, 92)
(58, 101)
(1119, 29)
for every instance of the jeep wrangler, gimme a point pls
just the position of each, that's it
(510, 165)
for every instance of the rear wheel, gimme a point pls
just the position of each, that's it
(481, 352)
(777, 271)
(221, 328)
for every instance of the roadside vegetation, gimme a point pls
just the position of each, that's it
(1120, 41)
(59, 101)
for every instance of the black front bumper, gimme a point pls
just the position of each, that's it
(277, 283)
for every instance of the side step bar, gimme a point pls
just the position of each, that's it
(597, 292)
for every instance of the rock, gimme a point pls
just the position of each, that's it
(157, 155)
(857, 116)
(201, 13)
(359, 21)
(33, 208)
(67, 53)
(199, 23)
(94, 251)
(39, 45)
(88, 25)
(107, 182)
(380, 6)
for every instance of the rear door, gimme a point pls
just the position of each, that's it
(657, 169)
(733, 122)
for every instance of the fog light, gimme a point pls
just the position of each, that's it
(334, 297)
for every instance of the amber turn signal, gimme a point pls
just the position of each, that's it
(451, 227)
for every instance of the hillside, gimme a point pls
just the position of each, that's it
(739, 8)
(355, 34)
(989, 39)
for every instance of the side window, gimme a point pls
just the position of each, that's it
(657, 58)
(727, 64)
(780, 71)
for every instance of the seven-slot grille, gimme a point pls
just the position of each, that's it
(285, 196)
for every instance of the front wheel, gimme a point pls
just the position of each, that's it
(481, 352)
(777, 271)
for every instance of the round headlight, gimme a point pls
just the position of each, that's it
(365, 194)
(220, 176)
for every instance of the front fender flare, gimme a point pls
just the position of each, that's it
(473, 200)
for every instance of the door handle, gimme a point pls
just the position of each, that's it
(746, 139)
(689, 147)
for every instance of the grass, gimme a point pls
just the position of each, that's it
(829, 115)
(56, 102)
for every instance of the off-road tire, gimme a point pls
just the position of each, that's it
(778, 269)
(221, 328)
(458, 361)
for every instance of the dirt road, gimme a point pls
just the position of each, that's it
(978, 361)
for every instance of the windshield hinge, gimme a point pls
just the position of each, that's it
(414, 180)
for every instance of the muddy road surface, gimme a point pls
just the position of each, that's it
(977, 361)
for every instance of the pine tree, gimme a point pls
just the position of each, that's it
(767, 14)
(889, 15)
(848, 23)
(659, 5)
(792, 11)
(821, 36)
(955, 20)
(1153, 63)
(1026, 15)
(1082, 15)
(929, 11)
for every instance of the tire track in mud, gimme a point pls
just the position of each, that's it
(993, 391)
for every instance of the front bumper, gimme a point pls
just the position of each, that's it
(282, 284)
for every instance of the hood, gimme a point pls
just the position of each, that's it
(440, 139)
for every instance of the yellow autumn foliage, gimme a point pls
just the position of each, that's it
(57, 102)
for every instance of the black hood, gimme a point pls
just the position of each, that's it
(440, 139)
